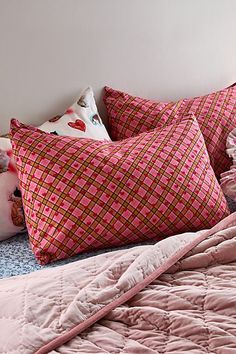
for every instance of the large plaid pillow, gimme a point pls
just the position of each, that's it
(81, 194)
(216, 114)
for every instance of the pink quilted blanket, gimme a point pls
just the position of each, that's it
(178, 296)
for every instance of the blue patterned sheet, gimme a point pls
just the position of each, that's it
(17, 258)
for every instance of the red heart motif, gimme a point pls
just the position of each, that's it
(78, 124)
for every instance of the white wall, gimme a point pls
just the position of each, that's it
(166, 49)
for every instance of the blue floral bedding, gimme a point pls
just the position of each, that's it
(17, 258)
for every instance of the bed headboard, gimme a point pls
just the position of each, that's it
(159, 49)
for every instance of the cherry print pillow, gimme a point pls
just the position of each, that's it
(83, 194)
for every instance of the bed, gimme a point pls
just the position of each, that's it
(175, 296)
(131, 243)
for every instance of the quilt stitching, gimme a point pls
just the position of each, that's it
(167, 312)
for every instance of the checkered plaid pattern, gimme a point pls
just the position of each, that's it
(82, 194)
(216, 115)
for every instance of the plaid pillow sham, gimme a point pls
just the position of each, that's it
(216, 114)
(81, 194)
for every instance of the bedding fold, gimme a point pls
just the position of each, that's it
(177, 296)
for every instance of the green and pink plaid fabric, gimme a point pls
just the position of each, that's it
(216, 114)
(82, 194)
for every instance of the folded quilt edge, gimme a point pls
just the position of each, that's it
(175, 257)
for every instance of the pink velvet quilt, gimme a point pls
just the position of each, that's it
(178, 296)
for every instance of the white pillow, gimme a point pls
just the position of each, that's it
(79, 120)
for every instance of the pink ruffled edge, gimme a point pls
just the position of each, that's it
(228, 178)
(231, 145)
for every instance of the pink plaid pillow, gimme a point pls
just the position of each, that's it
(82, 194)
(216, 115)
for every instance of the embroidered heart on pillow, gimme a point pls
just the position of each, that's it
(78, 124)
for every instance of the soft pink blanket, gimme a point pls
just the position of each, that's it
(178, 296)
